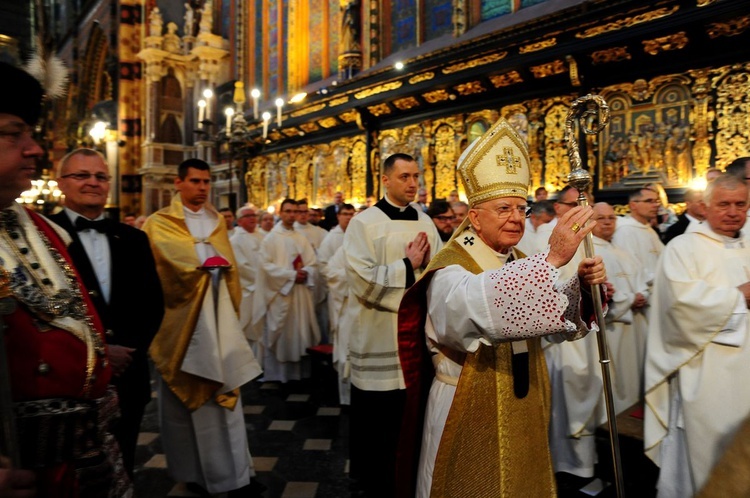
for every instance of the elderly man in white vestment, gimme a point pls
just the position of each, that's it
(534, 241)
(386, 248)
(199, 351)
(284, 298)
(486, 308)
(698, 355)
(246, 244)
(625, 317)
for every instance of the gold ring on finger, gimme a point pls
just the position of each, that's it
(575, 227)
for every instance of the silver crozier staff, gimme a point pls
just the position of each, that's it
(592, 114)
(8, 443)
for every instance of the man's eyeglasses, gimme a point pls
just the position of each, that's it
(82, 176)
(503, 212)
(444, 218)
(569, 204)
(649, 201)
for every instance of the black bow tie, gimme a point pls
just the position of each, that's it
(101, 226)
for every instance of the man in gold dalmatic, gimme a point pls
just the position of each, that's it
(483, 307)
(200, 350)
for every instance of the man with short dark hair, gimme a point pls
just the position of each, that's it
(116, 264)
(200, 351)
(329, 219)
(689, 220)
(739, 168)
(287, 272)
(634, 233)
(386, 248)
(54, 339)
(442, 215)
(229, 219)
(540, 194)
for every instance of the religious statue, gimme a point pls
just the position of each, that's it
(189, 27)
(172, 42)
(156, 22)
(207, 17)
(350, 27)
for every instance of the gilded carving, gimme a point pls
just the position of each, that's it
(470, 88)
(732, 124)
(290, 132)
(614, 54)
(308, 110)
(379, 110)
(731, 28)
(338, 101)
(555, 152)
(480, 61)
(386, 87)
(309, 127)
(418, 78)
(507, 79)
(540, 45)
(436, 96)
(701, 120)
(359, 172)
(676, 41)
(446, 155)
(328, 122)
(575, 80)
(548, 69)
(627, 22)
(349, 116)
(406, 103)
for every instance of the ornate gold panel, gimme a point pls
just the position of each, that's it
(540, 45)
(470, 88)
(309, 127)
(507, 79)
(731, 28)
(436, 96)
(480, 61)
(290, 132)
(406, 103)
(379, 110)
(614, 54)
(358, 164)
(421, 77)
(308, 110)
(555, 152)
(446, 155)
(328, 122)
(732, 123)
(627, 22)
(338, 101)
(386, 87)
(676, 41)
(548, 69)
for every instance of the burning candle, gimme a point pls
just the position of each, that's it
(266, 118)
(279, 103)
(255, 94)
(229, 113)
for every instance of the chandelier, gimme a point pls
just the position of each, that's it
(43, 195)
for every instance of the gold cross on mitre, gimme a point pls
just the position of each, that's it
(510, 161)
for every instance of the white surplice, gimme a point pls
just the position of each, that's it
(697, 393)
(627, 343)
(338, 292)
(375, 248)
(534, 240)
(466, 310)
(640, 241)
(209, 445)
(246, 248)
(286, 307)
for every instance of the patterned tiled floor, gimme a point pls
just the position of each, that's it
(298, 437)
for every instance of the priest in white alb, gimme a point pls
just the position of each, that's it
(625, 316)
(284, 298)
(200, 352)
(697, 364)
(481, 309)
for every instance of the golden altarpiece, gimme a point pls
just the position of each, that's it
(674, 74)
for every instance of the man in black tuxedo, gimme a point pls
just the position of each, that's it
(695, 213)
(117, 267)
(329, 215)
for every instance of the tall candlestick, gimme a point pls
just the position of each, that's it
(201, 113)
(279, 103)
(255, 94)
(208, 95)
(229, 113)
(266, 119)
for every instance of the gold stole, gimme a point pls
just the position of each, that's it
(184, 288)
(494, 445)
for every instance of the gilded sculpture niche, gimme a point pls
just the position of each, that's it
(359, 172)
(732, 123)
(556, 162)
(446, 154)
(417, 146)
(648, 139)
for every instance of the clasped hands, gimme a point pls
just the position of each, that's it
(418, 251)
